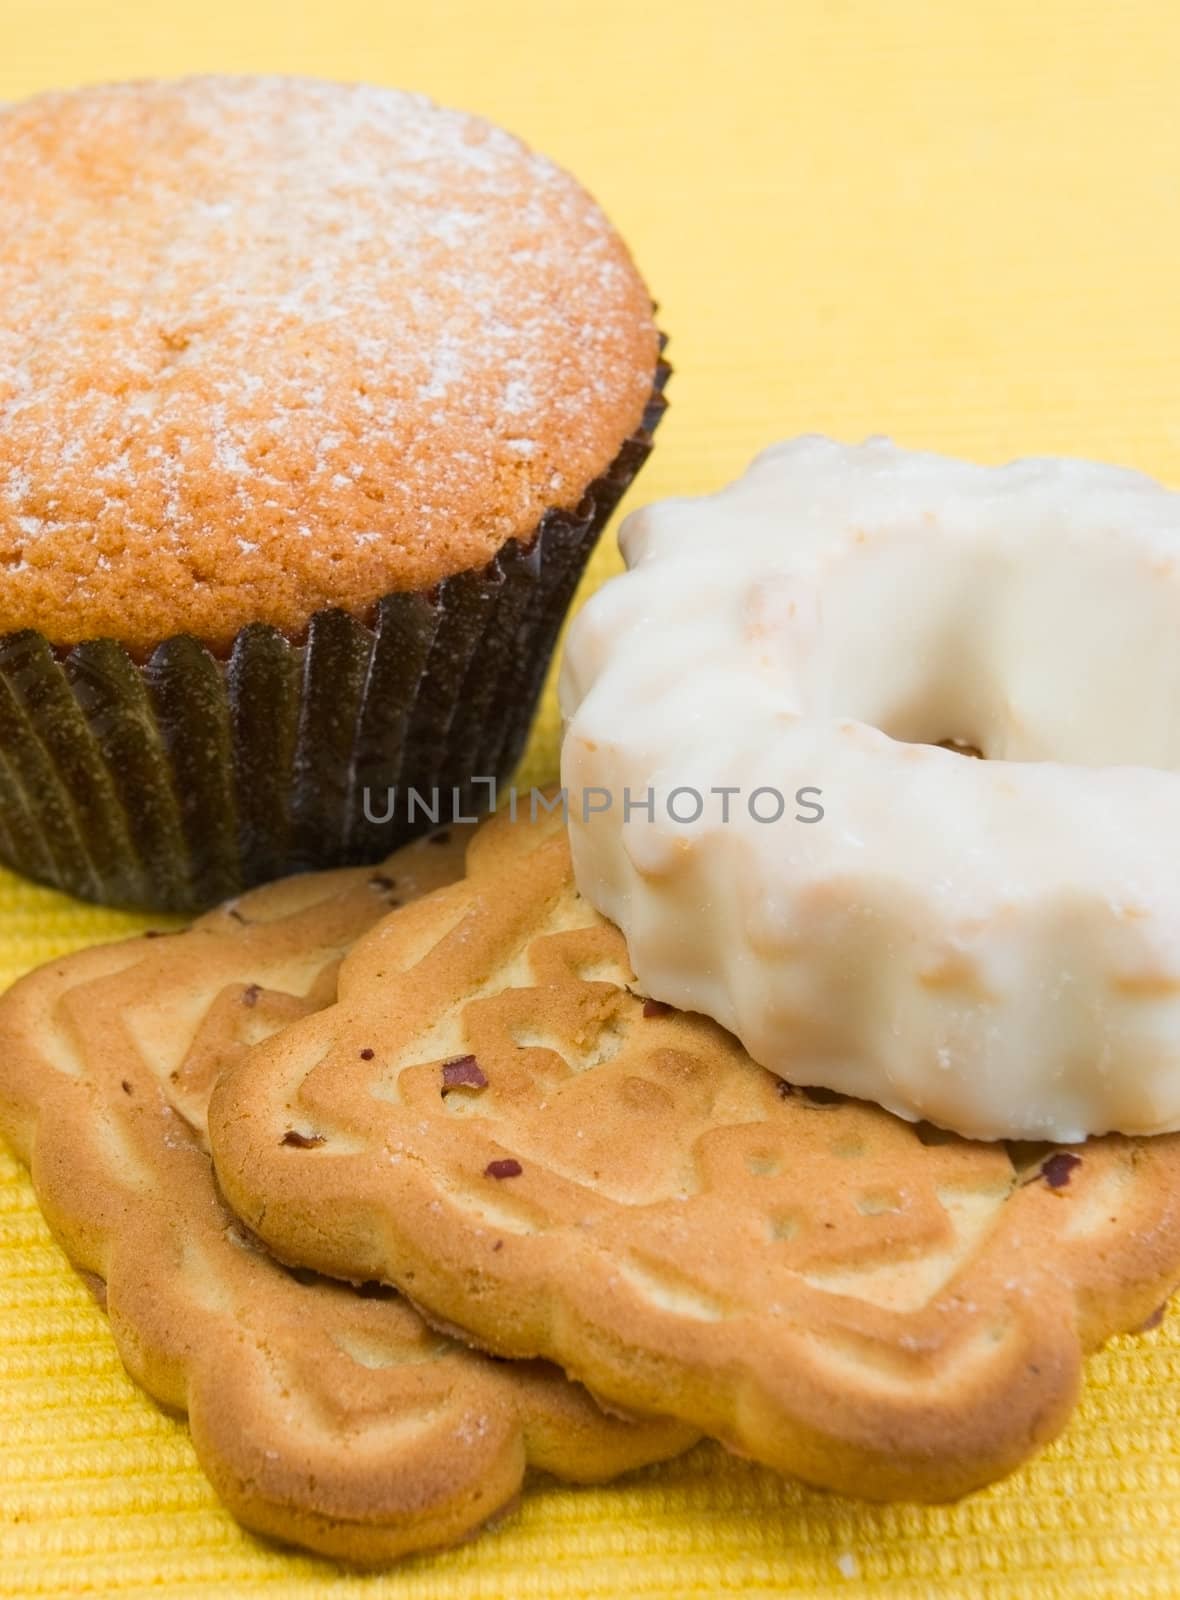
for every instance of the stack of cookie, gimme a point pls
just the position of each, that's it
(327, 1414)
(327, 1153)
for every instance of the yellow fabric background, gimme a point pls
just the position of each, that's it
(954, 223)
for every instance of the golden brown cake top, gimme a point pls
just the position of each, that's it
(273, 344)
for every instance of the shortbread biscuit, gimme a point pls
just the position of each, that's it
(331, 1418)
(491, 1119)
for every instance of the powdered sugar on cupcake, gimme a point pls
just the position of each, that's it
(274, 343)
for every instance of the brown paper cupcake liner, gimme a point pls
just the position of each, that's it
(178, 783)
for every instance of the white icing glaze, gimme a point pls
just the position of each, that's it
(993, 945)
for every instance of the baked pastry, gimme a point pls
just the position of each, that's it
(323, 1416)
(859, 1300)
(990, 944)
(313, 400)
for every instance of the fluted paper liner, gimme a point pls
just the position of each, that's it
(177, 783)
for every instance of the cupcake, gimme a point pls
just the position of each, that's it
(314, 399)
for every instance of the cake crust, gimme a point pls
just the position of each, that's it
(272, 345)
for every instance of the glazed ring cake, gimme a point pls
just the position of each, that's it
(994, 944)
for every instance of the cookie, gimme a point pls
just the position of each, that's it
(491, 1119)
(326, 1417)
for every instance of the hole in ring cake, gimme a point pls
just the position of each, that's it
(992, 945)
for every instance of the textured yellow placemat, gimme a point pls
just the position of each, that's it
(955, 223)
